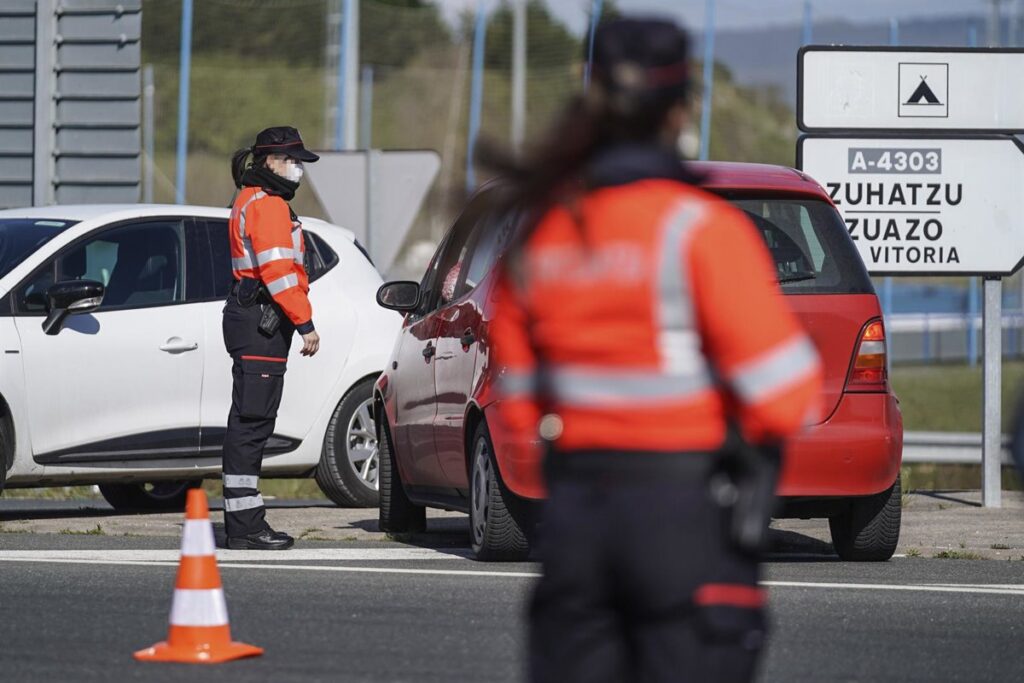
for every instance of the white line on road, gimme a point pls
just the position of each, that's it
(386, 554)
(927, 587)
(300, 555)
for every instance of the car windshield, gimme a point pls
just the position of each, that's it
(809, 242)
(19, 237)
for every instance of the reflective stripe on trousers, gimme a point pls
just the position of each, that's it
(244, 503)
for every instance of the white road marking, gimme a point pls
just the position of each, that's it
(993, 589)
(300, 555)
(235, 560)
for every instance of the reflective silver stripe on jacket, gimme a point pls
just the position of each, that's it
(297, 242)
(678, 340)
(246, 503)
(282, 283)
(274, 254)
(241, 481)
(514, 384)
(594, 387)
(788, 362)
(249, 260)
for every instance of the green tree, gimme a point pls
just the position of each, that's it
(548, 42)
(394, 32)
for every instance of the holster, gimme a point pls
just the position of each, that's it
(744, 482)
(270, 320)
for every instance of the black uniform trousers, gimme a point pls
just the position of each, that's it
(259, 364)
(626, 552)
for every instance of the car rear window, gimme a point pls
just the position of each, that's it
(808, 239)
(19, 237)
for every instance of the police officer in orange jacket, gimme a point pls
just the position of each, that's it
(639, 324)
(268, 303)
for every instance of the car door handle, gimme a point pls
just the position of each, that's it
(429, 351)
(468, 338)
(178, 345)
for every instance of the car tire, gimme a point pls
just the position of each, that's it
(869, 529)
(398, 514)
(497, 519)
(164, 496)
(6, 444)
(349, 468)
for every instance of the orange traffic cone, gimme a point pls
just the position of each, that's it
(199, 630)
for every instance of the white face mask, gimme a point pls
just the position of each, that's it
(293, 171)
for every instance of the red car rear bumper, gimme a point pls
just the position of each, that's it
(856, 452)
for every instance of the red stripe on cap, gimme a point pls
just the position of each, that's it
(733, 594)
(266, 358)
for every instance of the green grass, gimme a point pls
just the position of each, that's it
(957, 555)
(98, 531)
(947, 398)
(913, 552)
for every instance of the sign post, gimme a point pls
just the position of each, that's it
(914, 146)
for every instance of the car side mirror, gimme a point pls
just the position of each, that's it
(72, 297)
(403, 296)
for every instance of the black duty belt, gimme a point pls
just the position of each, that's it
(626, 464)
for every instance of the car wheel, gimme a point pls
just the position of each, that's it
(349, 468)
(162, 496)
(496, 519)
(5, 446)
(398, 514)
(869, 529)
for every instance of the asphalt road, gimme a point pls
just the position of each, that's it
(76, 607)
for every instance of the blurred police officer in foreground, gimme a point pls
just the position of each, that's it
(642, 333)
(267, 304)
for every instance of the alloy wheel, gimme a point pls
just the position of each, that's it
(480, 498)
(361, 445)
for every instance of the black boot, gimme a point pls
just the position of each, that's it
(268, 539)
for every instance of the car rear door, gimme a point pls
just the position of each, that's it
(821, 273)
(122, 383)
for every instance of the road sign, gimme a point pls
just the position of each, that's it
(376, 194)
(910, 89)
(925, 205)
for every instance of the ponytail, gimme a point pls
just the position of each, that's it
(551, 172)
(238, 165)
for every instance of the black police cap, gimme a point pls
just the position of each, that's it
(282, 140)
(641, 55)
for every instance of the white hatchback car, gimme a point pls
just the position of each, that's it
(132, 392)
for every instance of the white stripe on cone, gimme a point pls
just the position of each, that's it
(197, 538)
(199, 608)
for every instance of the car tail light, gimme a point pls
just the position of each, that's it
(870, 366)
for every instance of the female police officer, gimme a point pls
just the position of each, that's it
(638, 319)
(267, 259)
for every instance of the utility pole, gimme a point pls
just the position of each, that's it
(994, 22)
(709, 80)
(184, 76)
(332, 50)
(348, 78)
(518, 75)
(808, 32)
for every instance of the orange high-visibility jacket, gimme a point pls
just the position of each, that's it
(647, 332)
(267, 245)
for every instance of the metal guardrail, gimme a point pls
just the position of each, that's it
(948, 448)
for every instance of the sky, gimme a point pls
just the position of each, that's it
(737, 14)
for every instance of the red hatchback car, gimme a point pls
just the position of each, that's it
(441, 446)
